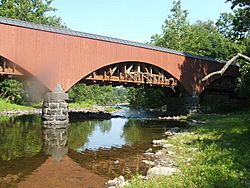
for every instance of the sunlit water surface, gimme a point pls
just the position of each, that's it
(96, 149)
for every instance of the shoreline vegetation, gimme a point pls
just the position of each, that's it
(213, 152)
(9, 109)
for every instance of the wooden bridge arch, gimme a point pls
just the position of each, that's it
(62, 56)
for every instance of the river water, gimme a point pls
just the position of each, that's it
(86, 154)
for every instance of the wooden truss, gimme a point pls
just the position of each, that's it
(8, 69)
(133, 73)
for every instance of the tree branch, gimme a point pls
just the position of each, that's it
(224, 68)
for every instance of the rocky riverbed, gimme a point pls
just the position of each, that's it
(160, 158)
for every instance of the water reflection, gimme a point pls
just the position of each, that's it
(54, 143)
(108, 148)
(20, 137)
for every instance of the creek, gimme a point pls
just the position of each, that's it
(86, 154)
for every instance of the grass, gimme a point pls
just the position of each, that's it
(111, 109)
(90, 105)
(81, 105)
(216, 154)
(7, 106)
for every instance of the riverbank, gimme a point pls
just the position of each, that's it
(213, 154)
(81, 111)
(10, 109)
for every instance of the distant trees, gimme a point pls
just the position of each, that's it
(221, 40)
(97, 94)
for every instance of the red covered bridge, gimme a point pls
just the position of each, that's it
(63, 56)
(58, 56)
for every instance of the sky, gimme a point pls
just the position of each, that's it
(135, 20)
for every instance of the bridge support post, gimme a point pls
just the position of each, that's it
(55, 109)
(185, 104)
(191, 103)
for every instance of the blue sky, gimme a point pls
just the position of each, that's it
(135, 20)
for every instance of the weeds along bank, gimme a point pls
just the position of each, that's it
(213, 154)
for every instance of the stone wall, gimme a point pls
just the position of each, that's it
(55, 109)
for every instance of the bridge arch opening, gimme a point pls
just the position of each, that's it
(34, 89)
(133, 74)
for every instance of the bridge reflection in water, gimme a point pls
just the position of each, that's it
(86, 154)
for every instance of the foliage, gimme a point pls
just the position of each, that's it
(30, 10)
(205, 38)
(146, 97)
(80, 93)
(244, 80)
(214, 155)
(201, 38)
(235, 26)
(174, 30)
(240, 22)
(11, 90)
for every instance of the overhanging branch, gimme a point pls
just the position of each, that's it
(224, 68)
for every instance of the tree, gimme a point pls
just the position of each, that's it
(202, 38)
(241, 20)
(174, 29)
(30, 10)
(11, 90)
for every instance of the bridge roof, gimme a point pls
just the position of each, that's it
(65, 31)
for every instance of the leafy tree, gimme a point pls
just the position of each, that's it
(236, 26)
(146, 97)
(11, 90)
(30, 10)
(174, 29)
(241, 21)
(206, 40)
(201, 38)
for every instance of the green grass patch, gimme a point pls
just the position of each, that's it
(87, 104)
(7, 106)
(110, 109)
(217, 154)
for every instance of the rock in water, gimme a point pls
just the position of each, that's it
(161, 171)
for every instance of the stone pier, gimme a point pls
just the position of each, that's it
(191, 104)
(55, 109)
(182, 105)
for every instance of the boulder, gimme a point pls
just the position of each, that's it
(161, 171)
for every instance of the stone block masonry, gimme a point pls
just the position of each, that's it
(55, 109)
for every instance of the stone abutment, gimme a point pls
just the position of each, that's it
(55, 109)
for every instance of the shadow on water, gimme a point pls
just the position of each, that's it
(92, 149)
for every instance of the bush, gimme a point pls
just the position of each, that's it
(11, 90)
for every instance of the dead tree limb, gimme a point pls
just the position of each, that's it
(224, 68)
